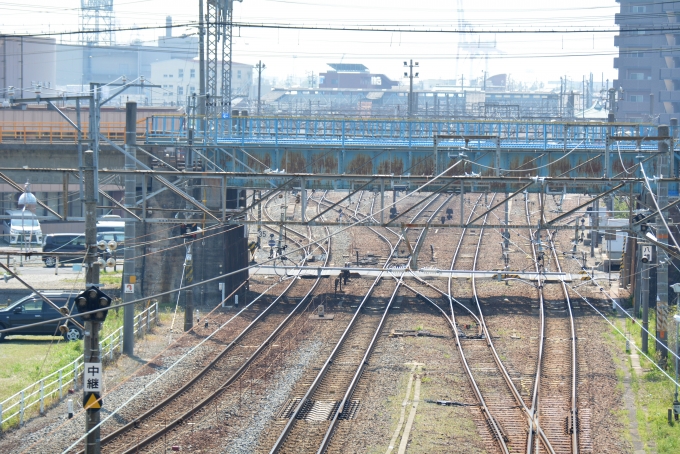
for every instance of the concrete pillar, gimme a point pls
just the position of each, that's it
(129, 276)
(662, 235)
(644, 296)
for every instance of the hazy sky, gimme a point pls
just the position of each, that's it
(297, 52)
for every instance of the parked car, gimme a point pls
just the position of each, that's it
(72, 243)
(30, 309)
(22, 227)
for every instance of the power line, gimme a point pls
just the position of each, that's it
(394, 28)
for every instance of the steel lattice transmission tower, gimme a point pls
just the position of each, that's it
(472, 47)
(96, 22)
(218, 31)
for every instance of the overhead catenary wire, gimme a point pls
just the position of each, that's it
(249, 267)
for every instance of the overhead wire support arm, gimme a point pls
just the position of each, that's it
(419, 202)
(265, 197)
(655, 212)
(583, 205)
(118, 204)
(20, 189)
(164, 181)
(340, 201)
(514, 194)
(64, 116)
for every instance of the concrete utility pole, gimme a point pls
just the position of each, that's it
(189, 294)
(129, 253)
(91, 338)
(644, 296)
(201, 67)
(411, 102)
(662, 316)
(260, 66)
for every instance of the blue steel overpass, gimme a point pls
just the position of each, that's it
(369, 146)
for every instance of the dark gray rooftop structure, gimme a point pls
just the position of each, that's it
(648, 61)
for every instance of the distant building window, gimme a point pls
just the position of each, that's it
(180, 73)
(637, 54)
(637, 76)
(192, 73)
(238, 74)
(171, 86)
(180, 91)
(376, 80)
(192, 89)
(639, 9)
(636, 98)
(170, 75)
(165, 75)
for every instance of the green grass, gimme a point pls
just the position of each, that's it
(26, 359)
(111, 278)
(654, 394)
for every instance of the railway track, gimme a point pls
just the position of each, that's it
(216, 377)
(562, 349)
(314, 419)
(554, 398)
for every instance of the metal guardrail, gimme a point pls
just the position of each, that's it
(319, 130)
(59, 132)
(52, 386)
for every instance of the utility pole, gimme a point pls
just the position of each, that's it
(189, 294)
(129, 253)
(201, 68)
(411, 102)
(662, 313)
(91, 338)
(260, 66)
(644, 296)
(611, 116)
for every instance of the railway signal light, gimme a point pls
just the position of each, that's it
(93, 299)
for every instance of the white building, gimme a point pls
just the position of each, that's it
(179, 78)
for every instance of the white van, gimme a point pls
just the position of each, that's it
(23, 227)
(111, 223)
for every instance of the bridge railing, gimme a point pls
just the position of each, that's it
(58, 132)
(541, 134)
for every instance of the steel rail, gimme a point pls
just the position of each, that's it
(355, 380)
(241, 369)
(113, 435)
(484, 330)
(574, 370)
(497, 433)
(533, 410)
(329, 361)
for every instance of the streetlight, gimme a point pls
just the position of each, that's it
(409, 64)
(27, 200)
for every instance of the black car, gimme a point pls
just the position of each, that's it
(64, 243)
(31, 309)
